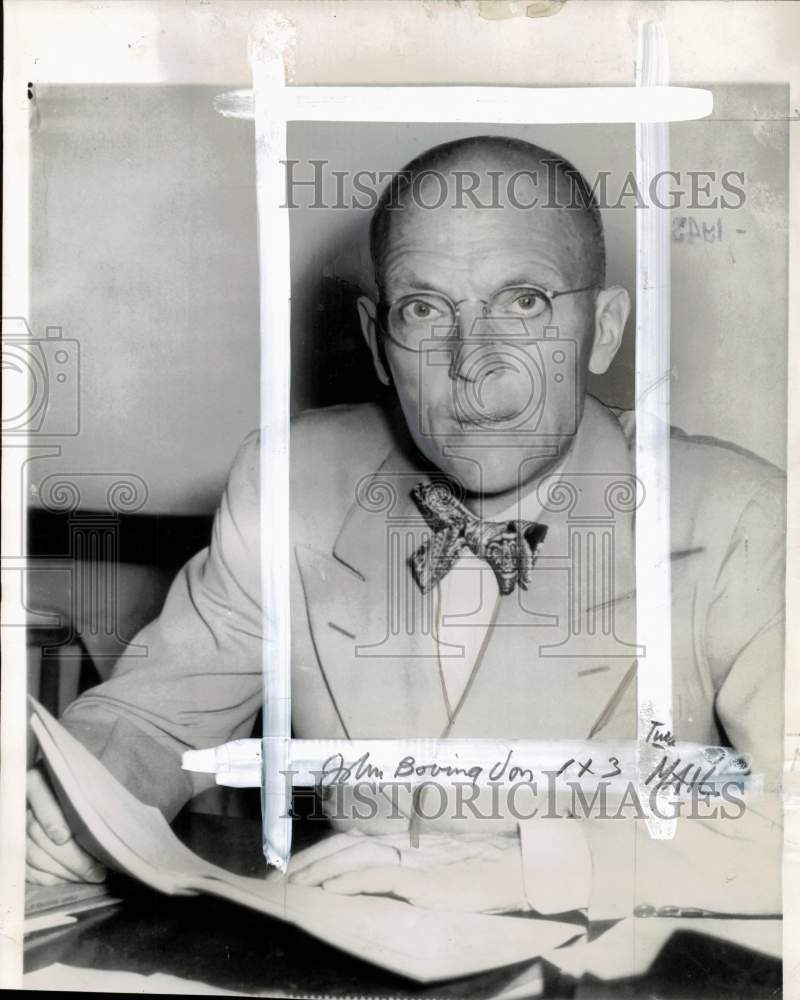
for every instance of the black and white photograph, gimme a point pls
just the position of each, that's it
(397, 550)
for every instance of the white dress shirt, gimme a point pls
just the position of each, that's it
(557, 875)
(467, 601)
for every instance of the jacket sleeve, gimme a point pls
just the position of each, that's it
(745, 631)
(728, 860)
(199, 682)
(728, 863)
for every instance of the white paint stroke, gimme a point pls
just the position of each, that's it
(653, 567)
(499, 105)
(239, 764)
(275, 325)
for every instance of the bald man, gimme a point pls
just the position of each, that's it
(440, 583)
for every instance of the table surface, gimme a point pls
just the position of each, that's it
(229, 947)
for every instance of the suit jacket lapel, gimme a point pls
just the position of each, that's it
(373, 630)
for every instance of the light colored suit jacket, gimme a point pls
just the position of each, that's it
(561, 659)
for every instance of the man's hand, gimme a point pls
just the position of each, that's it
(443, 873)
(53, 855)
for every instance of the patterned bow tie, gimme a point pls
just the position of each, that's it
(509, 547)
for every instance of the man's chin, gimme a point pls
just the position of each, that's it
(479, 473)
(488, 464)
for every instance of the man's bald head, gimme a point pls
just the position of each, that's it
(495, 174)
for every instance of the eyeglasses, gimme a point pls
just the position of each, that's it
(419, 316)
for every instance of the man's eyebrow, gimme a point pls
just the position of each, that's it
(524, 278)
(410, 280)
(416, 283)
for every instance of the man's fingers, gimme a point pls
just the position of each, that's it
(330, 845)
(70, 855)
(35, 877)
(46, 809)
(369, 854)
(43, 862)
(399, 881)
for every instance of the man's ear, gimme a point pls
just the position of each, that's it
(611, 313)
(367, 314)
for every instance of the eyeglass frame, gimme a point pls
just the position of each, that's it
(550, 295)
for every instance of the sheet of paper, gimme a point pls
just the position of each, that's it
(43, 898)
(47, 921)
(394, 935)
(60, 977)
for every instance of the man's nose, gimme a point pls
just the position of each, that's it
(470, 321)
(476, 339)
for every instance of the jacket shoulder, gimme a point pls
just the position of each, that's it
(319, 440)
(340, 430)
(331, 450)
(718, 487)
(710, 465)
(714, 482)
(244, 474)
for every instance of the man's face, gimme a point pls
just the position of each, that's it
(492, 395)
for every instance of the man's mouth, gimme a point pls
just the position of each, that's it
(492, 418)
(495, 399)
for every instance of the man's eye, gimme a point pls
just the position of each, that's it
(529, 304)
(419, 309)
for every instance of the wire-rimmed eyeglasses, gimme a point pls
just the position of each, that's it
(419, 316)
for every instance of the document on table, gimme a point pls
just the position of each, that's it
(425, 945)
